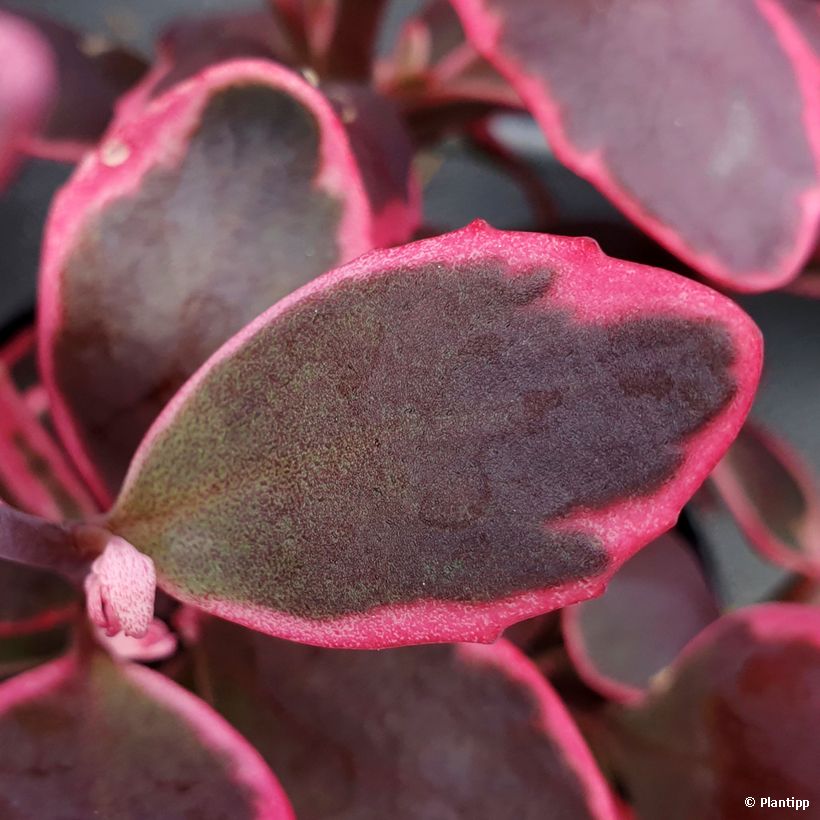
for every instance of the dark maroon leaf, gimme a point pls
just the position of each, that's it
(656, 603)
(700, 120)
(439, 440)
(82, 738)
(223, 196)
(738, 716)
(440, 731)
(774, 498)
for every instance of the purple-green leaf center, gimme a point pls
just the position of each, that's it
(413, 436)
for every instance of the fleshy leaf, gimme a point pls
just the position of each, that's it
(94, 738)
(439, 440)
(437, 731)
(737, 716)
(773, 497)
(744, 148)
(656, 603)
(229, 192)
(27, 88)
(91, 74)
(187, 47)
(377, 135)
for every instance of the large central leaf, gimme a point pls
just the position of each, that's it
(438, 440)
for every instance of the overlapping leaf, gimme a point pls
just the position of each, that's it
(223, 196)
(738, 716)
(700, 120)
(439, 440)
(774, 498)
(656, 603)
(92, 738)
(442, 731)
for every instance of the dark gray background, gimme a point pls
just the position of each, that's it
(461, 190)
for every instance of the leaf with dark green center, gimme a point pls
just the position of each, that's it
(774, 498)
(656, 603)
(462, 731)
(93, 738)
(738, 715)
(728, 127)
(226, 194)
(439, 440)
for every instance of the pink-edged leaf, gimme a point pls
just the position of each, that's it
(737, 716)
(774, 498)
(187, 47)
(94, 738)
(91, 74)
(33, 600)
(725, 132)
(227, 193)
(439, 440)
(377, 135)
(27, 88)
(439, 731)
(656, 603)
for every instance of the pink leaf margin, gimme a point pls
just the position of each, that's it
(484, 27)
(133, 146)
(553, 718)
(248, 767)
(774, 622)
(753, 525)
(584, 662)
(635, 522)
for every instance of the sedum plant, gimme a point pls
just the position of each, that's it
(269, 421)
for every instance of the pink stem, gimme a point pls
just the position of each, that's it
(32, 465)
